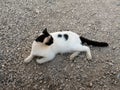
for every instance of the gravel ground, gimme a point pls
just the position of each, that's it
(22, 20)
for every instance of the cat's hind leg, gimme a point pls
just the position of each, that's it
(75, 54)
(29, 58)
(86, 49)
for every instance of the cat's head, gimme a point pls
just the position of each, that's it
(45, 38)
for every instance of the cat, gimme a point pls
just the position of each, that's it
(48, 45)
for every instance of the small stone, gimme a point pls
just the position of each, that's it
(114, 47)
(7, 51)
(72, 65)
(105, 86)
(90, 84)
(1, 78)
(40, 81)
(43, 89)
(40, 73)
(3, 65)
(78, 67)
(35, 86)
(18, 48)
(103, 77)
(118, 76)
(37, 11)
(110, 63)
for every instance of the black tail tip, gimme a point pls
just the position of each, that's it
(105, 44)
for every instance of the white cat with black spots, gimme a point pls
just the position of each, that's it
(47, 45)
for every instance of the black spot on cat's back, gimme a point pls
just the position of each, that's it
(66, 36)
(59, 35)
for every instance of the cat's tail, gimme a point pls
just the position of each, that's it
(93, 43)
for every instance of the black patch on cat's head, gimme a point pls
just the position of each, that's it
(44, 35)
(50, 41)
(59, 35)
(66, 36)
(45, 32)
(40, 38)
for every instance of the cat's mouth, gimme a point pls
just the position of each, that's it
(48, 40)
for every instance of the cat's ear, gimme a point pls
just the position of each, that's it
(45, 31)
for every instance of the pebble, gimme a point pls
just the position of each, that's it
(118, 76)
(37, 11)
(1, 75)
(43, 89)
(72, 65)
(35, 87)
(110, 63)
(90, 84)
(114, 47)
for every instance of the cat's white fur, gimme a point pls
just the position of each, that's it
(60, 45)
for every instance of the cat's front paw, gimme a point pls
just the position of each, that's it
(72, 57)
(40, 61)
(26, 61)
(89, 57)
(43, 60)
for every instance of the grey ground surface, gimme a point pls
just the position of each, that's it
(22, 20)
